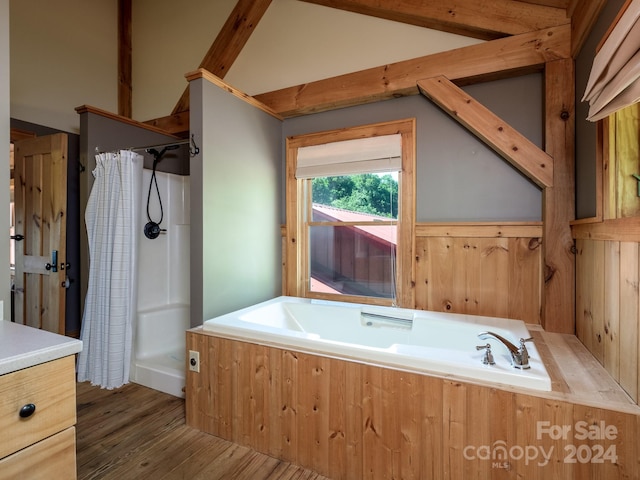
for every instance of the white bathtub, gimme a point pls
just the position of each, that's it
(159, 353)
(442, 344)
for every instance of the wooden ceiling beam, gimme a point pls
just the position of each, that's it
(472, 18)
(489, 60)
(125, 79)
(584, 16)
(175, 124)
(229, 43)
(549, 3)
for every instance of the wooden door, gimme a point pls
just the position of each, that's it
(40, 176)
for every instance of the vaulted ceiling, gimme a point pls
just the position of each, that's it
(522, 35)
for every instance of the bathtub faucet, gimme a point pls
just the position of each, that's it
(519, 355)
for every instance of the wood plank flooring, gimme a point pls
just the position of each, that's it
(137, 433)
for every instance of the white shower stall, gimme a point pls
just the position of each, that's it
(158, 357)
(229, 172)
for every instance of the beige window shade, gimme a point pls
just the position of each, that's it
(350, 157)
(614, 82)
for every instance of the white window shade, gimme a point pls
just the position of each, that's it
(614, 82)
(350, 157)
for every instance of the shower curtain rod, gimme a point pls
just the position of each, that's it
(193, 148)
(162, 145)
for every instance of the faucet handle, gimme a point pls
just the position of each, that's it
(523, 348)
(488, 356)
(524, 353)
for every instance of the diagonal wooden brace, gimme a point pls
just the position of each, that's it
(488, 127)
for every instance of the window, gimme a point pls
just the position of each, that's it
(613, 90)
(623, 160)
(350, 214)
(352, 235)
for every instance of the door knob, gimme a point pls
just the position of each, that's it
(17, 238)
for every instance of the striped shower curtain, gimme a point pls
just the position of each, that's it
(113, 221)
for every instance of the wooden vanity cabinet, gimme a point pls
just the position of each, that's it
(42, 444)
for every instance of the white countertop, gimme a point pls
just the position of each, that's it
(23, 347)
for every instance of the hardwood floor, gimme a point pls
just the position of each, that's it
(137, 433)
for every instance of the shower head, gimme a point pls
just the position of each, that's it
(158, 155)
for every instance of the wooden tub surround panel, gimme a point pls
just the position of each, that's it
(350, 420)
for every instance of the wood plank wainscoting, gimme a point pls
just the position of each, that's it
(349, 420)
(480, 269)
(607, 298)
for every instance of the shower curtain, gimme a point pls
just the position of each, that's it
(113, 220)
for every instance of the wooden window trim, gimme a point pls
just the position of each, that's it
(602, 185)
(296, 255)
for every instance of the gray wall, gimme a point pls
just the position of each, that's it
(586, 131)
(236, 193)
(458, 177)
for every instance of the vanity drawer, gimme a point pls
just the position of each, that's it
(54, 457)
(51, 388)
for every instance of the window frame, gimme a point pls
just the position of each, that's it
(296, 252)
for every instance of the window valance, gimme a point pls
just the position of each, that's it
(614, 82)
(350, 157)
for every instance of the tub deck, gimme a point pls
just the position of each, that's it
(576, 375)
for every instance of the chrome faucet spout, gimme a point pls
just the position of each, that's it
(519, 355)
(485, 335)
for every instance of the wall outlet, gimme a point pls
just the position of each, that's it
(194, 361)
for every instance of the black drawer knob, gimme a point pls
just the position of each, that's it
(27, 410)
